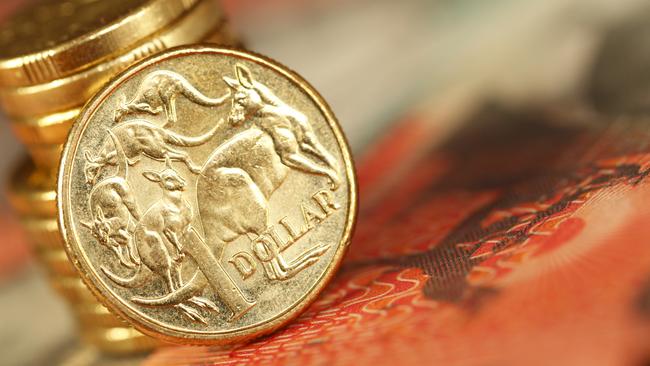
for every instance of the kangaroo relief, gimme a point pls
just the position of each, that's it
(293, 138)
(228, 232)
(159, 238)
(158, 92)
(143, 138)
(113, 203)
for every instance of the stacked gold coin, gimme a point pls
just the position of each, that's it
(54, 56)
(33, 197)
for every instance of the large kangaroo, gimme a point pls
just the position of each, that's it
(293, 137)
(112, 205)
(158, 92)
(141, 137)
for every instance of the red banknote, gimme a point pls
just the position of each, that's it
(524, 239)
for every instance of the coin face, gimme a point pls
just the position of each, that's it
(206, 195)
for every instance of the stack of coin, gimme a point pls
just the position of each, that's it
(54, 55)
(32, 194)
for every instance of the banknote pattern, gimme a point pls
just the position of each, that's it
(516, 242)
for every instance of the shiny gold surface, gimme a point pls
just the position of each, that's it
(118, 340)
(96, 315)
(45, 91)
(59, 95)
(46, 157)
(43, 232)
(55, 38)
(32, 192)
(207, 195)
(51, 129)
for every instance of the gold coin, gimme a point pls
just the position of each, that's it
(207, 195)
(51, 129)
(43, 136)
(32, 192)
(72, 288)
(118, 340)
(52, 38)
(95, 315)
(74, 90)
(46, 157)
(43, 232)
(55, 261)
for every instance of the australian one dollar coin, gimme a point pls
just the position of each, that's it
(206, 195)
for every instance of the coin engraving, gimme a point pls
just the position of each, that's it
(207, 211)
(293, 139)
(158, 92)
(113, 204)
(143, 138)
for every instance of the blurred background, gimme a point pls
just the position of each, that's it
(379, 62)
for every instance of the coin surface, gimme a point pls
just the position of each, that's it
(206, 195)
(53, 38)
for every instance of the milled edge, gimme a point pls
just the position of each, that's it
(47, 65)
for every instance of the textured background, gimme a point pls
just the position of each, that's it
(373, 60)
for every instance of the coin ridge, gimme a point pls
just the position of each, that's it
(72, 90)
(57, 62)
(173, 334)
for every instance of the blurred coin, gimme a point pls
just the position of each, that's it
(207, 195)
(68, 92)
(32, 192)
(51, 39)
(46, 157)
(51, 129)
(55, 261)
(43, 232)
(118, 340)
(93, 314)
(72, 288)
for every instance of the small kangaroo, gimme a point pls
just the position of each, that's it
(158, 92)
(141, 137)
(112, 204)
(159, 236)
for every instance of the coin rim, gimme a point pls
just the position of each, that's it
(157, 14)
(159, 330)
(196, 23)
